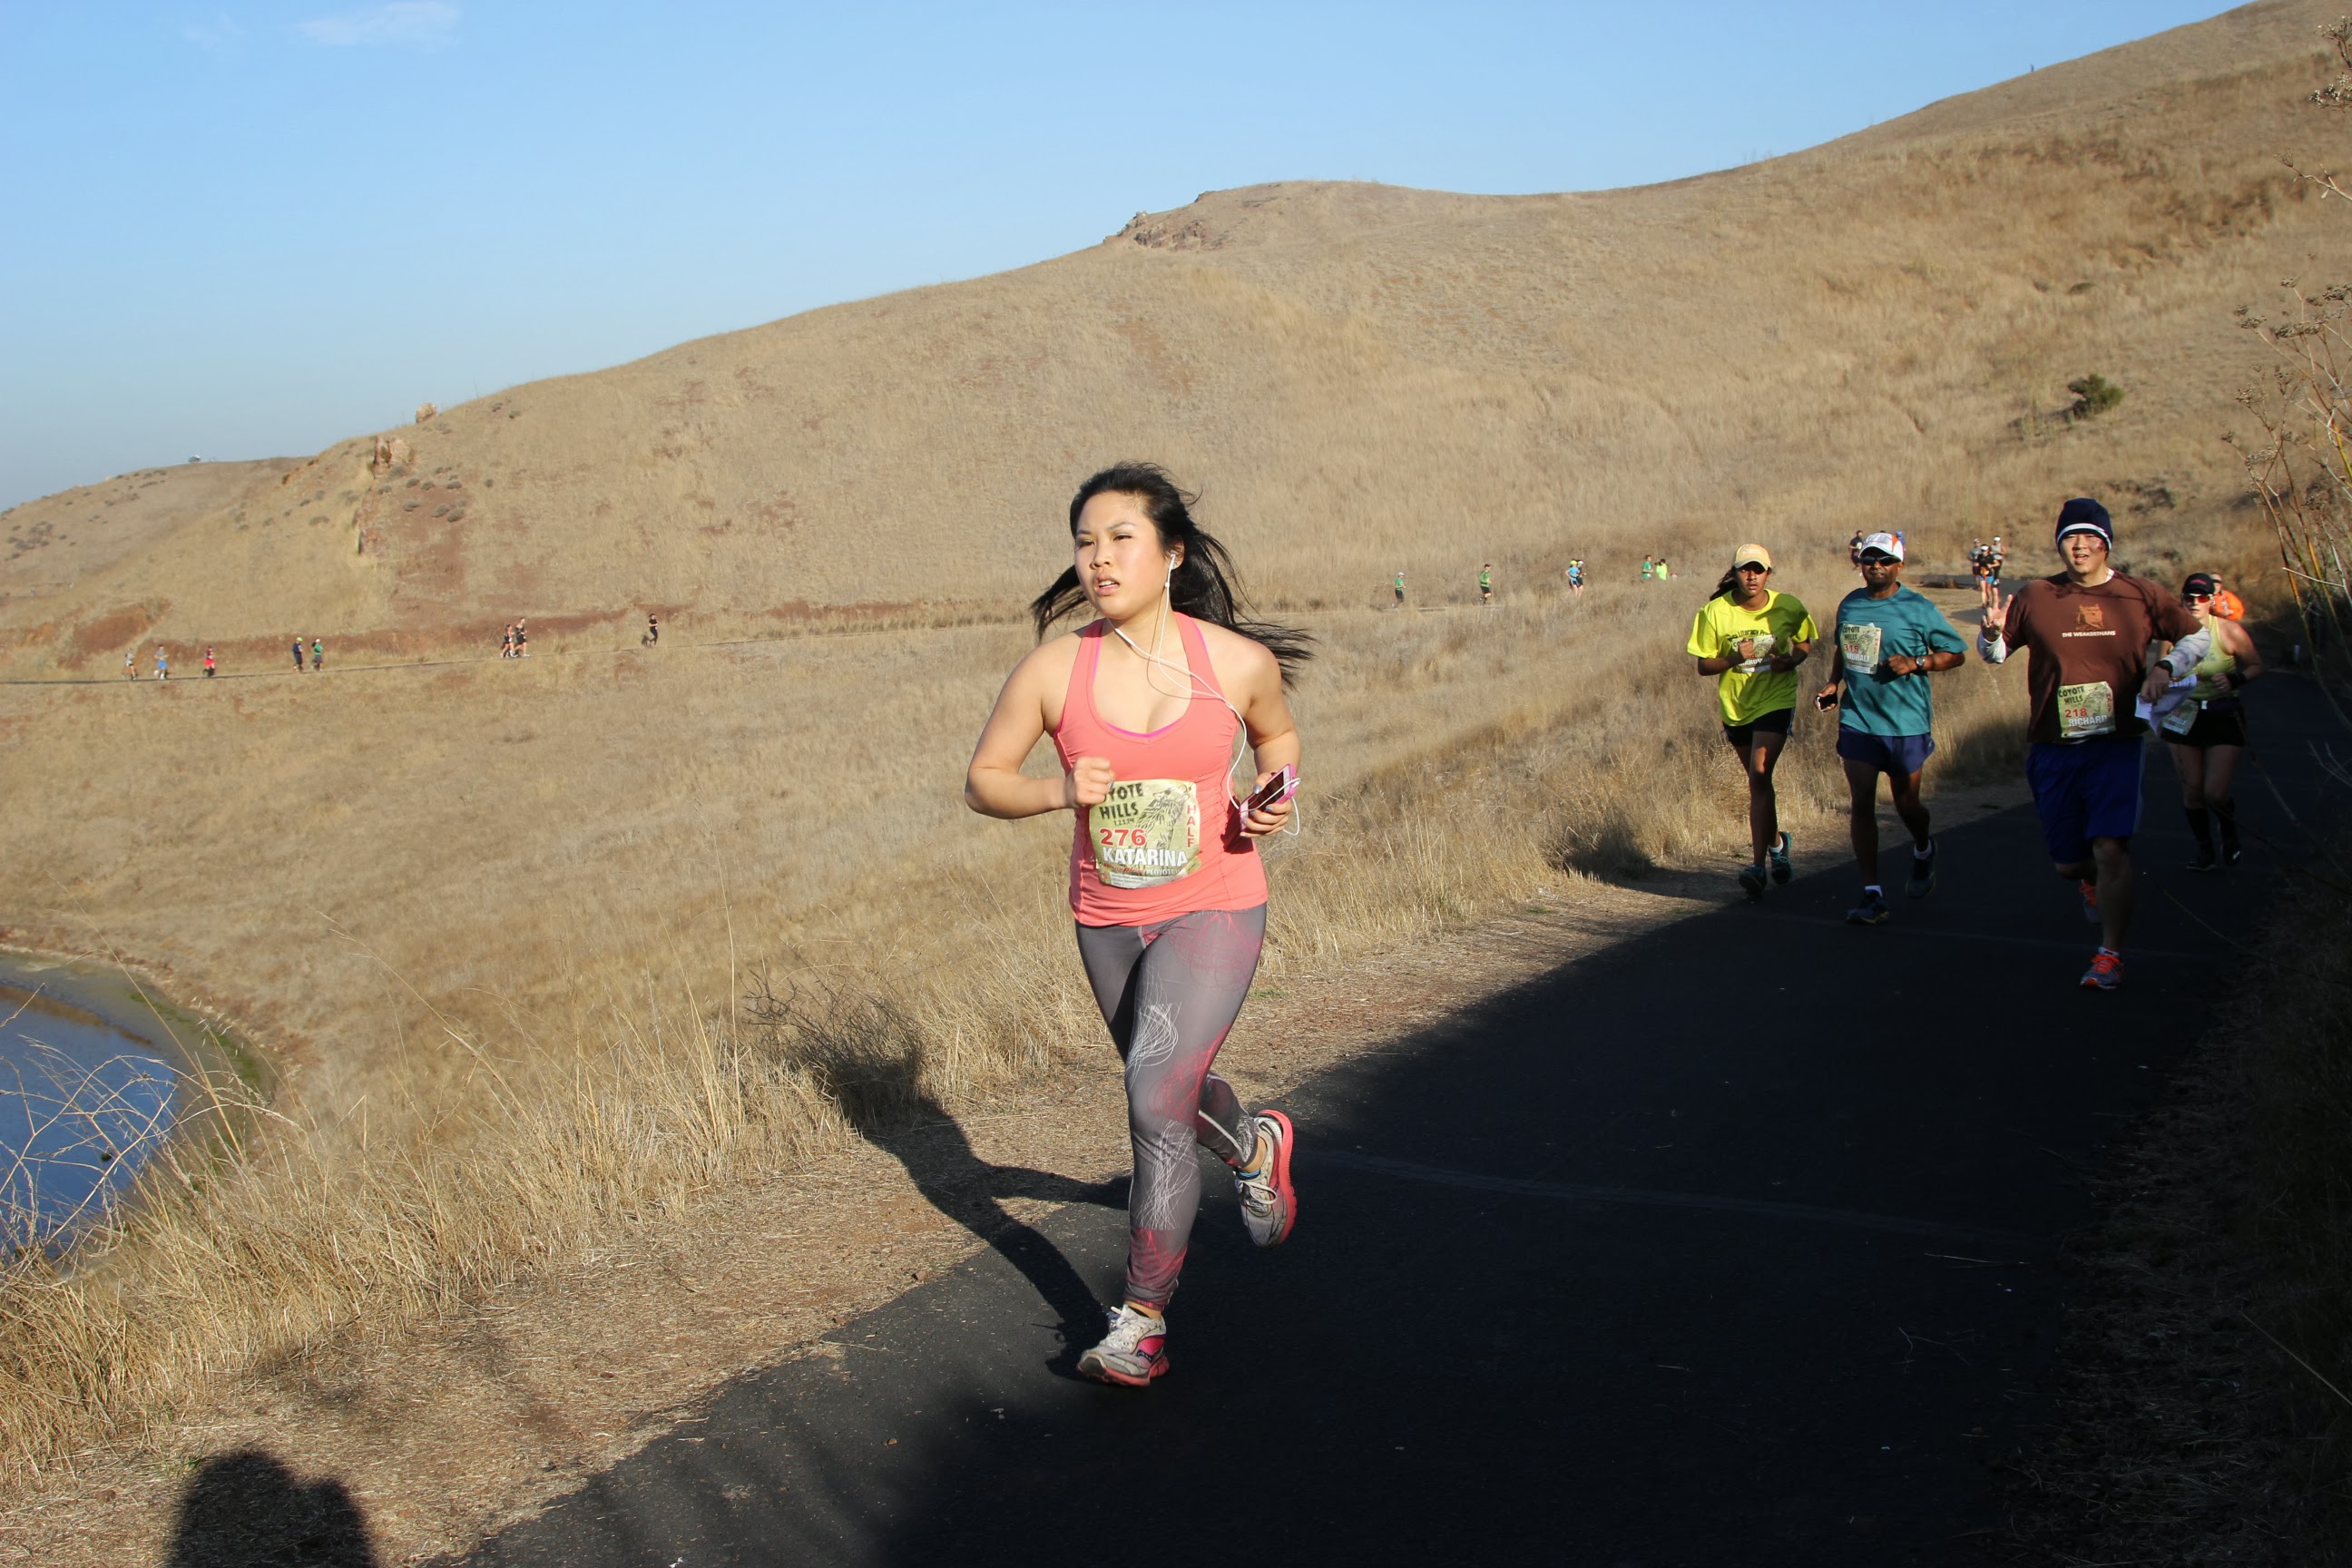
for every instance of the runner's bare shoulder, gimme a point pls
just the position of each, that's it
(1240, 662)
(1043, 675)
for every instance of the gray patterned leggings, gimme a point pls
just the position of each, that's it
(1170, 991)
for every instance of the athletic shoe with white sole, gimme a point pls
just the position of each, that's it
(1779, 856)
(1269, 1206)
(1753, 882)
(2107, 972)
(1922, 880)
(1134, 1352)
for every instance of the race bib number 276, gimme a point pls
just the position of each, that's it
(1147, 832)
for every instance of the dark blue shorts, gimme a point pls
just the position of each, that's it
(2084, 791)
(1904, 754)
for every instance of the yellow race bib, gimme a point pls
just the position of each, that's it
(2086, 710)
(1147, 832)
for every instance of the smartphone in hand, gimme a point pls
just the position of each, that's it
(1275, 790)
(1825, 701)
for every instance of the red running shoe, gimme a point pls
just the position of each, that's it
(1269, 1206)
(1134, 1352)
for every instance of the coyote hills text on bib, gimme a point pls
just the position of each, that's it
(2086, 711)
(1147, 832)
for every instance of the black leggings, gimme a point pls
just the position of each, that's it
(1170, 991)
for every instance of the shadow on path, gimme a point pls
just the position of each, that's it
(971, 1191)
(247, 1510)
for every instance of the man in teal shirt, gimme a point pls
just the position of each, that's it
(1888, 641)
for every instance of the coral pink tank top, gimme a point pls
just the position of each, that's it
(1168, 841)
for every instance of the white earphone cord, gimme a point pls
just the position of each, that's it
(1200, 689)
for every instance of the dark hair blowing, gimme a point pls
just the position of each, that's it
(1203, 586)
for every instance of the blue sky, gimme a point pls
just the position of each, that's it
(245, 229)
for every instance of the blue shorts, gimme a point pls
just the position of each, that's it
(1900, 755)
(2084, 791)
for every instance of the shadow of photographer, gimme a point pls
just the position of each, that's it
(247, 1510)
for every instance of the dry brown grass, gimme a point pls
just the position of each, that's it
(498, 917)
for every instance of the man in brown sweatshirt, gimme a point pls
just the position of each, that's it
(2088, 631)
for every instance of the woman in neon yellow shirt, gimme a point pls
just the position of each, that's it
(1751, 640)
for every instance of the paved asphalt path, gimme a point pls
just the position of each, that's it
(1734, 1245)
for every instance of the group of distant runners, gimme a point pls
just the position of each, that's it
(2086, 631)
(1150, 703)
(163, 663)
(1486, 584)
(515, 644)
(1654, 570)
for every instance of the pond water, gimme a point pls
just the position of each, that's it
(93, 1081)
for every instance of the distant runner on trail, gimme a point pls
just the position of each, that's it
(1576, 574)
(1751, 640)
(1400, 590)
(131, 665)
(209, 671)
(2207, 734)
(1662, 572)
(1145, 704)
(1888, 640)
(2087, 629)
(162, 664)
(318, 654)
(1649, 569)
(298, 654)
(1487, 583)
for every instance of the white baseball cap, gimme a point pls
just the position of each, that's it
(1885, 543)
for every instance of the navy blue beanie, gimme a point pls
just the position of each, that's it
(2083, 515)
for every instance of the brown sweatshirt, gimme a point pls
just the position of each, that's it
(2089, 651)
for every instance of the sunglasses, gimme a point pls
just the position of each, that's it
(2196, 598)
(1872, 558)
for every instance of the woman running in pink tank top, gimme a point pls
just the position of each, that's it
(1145, 705)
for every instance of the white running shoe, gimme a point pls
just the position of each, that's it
(1269, 1205)
(1134, 1352)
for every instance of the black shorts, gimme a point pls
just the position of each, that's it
(1775, 722)
(2216, 726)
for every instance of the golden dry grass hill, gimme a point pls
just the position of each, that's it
(493, 917)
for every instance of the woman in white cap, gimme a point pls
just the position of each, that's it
(1751, 640)
(2207, 733)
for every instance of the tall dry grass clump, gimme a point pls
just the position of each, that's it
(2299, 1045)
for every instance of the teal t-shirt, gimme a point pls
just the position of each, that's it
(1877, 702)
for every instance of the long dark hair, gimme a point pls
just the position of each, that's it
(1729, 586)
(1203, 586)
